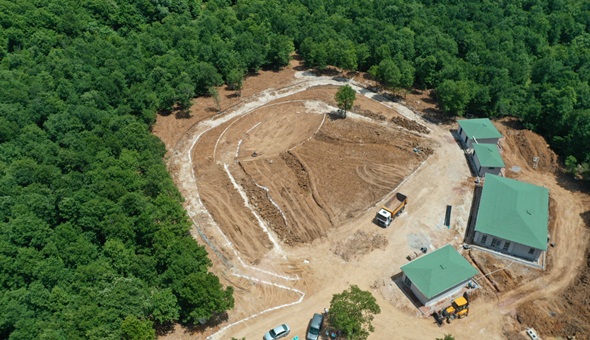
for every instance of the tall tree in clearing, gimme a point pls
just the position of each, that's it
(352, 312)
(345, 98)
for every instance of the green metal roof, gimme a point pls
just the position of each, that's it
(438, 271)
(480, 128)
(488, 155)
(515, 211)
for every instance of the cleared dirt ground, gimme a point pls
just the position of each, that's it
(283, 193)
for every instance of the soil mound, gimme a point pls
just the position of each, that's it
(358, 244)
(521, 147)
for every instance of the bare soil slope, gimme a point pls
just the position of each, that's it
(302, 173)
(283, 197)
(556, 301)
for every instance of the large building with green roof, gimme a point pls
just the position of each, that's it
(513, 217)
(438, 275)
(487, 159)
(478, 131)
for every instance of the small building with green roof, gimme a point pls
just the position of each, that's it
(487, 159)
(438, 275)
(480, 130)
(513, 218)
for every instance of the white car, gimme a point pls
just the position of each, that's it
(277, 332)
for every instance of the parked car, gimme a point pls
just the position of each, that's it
(315, 325)
(277, 332)
(532, 334)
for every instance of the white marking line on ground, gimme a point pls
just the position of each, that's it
(273, 202)
(252, 128)
(238, 148)
(247, 205)
(223, 133)
(316, 131)
(262, 99)
(230, 245)
(297, 291)
(201, 207)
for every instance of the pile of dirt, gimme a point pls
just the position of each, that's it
(261, 202)
(298, 170)
(369, 114)
(360, 243)
(410, 125)
(521, 147)
(404, 122)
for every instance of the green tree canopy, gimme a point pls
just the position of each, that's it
(345, 97)
(352, 312)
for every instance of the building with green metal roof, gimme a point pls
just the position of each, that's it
(480, 130)
(438, 275)
(513, 217)
(487, 159)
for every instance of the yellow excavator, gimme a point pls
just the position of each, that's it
(457, 310)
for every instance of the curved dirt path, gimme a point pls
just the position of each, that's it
(426, 196)
(184, 176)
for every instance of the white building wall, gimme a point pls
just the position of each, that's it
(463, 137)
(523, 251)
(447, 293)
(470, 142)
(482, 170)
(434, 300)
(515, 249)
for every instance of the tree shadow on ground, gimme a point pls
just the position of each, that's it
(328, 71)
(165, 113)
(437, 116)
(568, 182)
(340, 78)
(191, 329)
(182, 114)
(336, 115)
(514, 124)
(586, 218)
(164, 329)
(231, 95)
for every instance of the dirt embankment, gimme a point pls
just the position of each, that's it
(557, 302)
(312, 175)
(568, 313)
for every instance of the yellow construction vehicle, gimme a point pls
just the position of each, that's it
(457, 310)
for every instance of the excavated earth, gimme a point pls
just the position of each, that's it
(282, 191)
(303, 172)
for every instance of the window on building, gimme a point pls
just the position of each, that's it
(506, 245)
(484, 238)
(492, 168)
(407, 281)
(531, 251)
(496, 243)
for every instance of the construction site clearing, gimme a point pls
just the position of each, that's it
(283, 196)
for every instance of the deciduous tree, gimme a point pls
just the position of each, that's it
(352, 312)
(345, 98)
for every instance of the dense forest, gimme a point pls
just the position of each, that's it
(94, 242)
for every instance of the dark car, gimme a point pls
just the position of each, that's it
(277, 332)
(315, 325)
